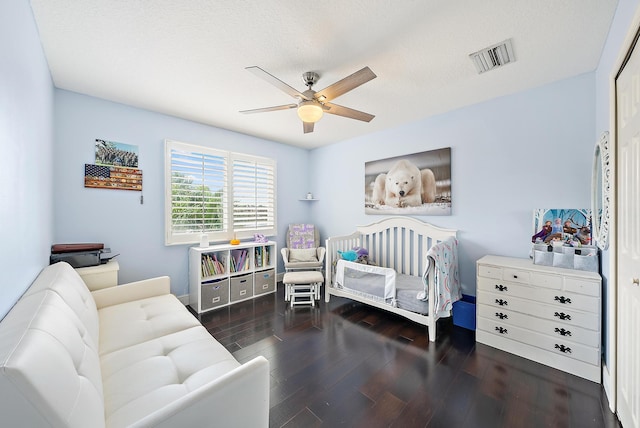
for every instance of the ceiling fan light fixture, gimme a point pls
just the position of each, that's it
(309, 111)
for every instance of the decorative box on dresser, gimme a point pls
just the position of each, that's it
(546, 314)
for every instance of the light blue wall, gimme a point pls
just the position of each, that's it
(26, 144)
(509, 156)
(116, 217)
(620, 27)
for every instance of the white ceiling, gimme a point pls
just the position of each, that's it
(187, 58)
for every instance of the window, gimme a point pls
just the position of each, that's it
(220, 193)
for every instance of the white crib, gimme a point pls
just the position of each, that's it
(399, 243)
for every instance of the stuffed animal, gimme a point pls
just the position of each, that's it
(544, 232)
(350, 256)
(584, 235)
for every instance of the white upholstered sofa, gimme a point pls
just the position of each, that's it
(130, 355)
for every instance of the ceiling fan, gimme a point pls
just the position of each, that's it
(311, 104)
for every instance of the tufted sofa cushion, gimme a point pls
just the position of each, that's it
(50, 366)
(134, 322)
(66, 283)
(141, 379)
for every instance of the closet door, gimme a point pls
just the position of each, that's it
(628, 239)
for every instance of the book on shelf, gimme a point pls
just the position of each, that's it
(263, 256)
(239, 261)
(258, 255)
(211, 265)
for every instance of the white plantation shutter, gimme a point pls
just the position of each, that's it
(222, 194)
(253, 195)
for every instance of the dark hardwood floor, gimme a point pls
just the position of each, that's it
(347, 364)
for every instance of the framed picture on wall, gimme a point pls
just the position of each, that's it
(112, 153)
(415, 184)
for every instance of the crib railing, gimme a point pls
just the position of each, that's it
(400, 243)
(333, 245)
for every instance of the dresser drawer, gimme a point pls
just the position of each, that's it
(582, 286)
(565, 316)
(545, 280)
(550, 328)
(559, 346)
(488, 271)
(553, 297)
(516, 275)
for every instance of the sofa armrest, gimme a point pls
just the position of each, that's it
(240, 398)
(132, 291)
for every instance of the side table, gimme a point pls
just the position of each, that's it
(101, 276)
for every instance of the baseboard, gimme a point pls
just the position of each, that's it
(184, 299)
(606, 384)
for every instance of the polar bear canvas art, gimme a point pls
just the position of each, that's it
(405, 185)
(411, 184)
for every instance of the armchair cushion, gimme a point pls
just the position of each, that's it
(303, 255)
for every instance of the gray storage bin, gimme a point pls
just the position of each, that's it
(586, 251)
(265, 281)
(543, 258)
(580, 258)
(589, 263)
(578, 250)
(241, 287)
(214, 293)
(563, 260)
(541, 247)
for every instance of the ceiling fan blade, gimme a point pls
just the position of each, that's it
(276, 82)
(345, 85)
(348, 112)
(266, 109)
(307, 127)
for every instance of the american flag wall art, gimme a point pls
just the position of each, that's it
(112, 177)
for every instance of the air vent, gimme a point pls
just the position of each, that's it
(493, 57)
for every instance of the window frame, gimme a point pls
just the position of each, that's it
(228, 232)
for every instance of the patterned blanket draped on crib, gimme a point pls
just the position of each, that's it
(446, 275)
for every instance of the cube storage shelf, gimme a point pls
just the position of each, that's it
(222, 275)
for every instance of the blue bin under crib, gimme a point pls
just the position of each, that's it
(464, 312)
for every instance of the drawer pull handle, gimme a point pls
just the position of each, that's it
(562, 316)
(515, 276)
(501, 302)
(502, 330)
(563, 348)
(501, 287)
(502, 316)
(563, 332)
(563, 300)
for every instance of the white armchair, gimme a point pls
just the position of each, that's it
(303, 250)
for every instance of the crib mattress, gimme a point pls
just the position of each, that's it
(407, 288)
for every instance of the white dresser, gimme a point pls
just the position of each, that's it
(546, 314)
